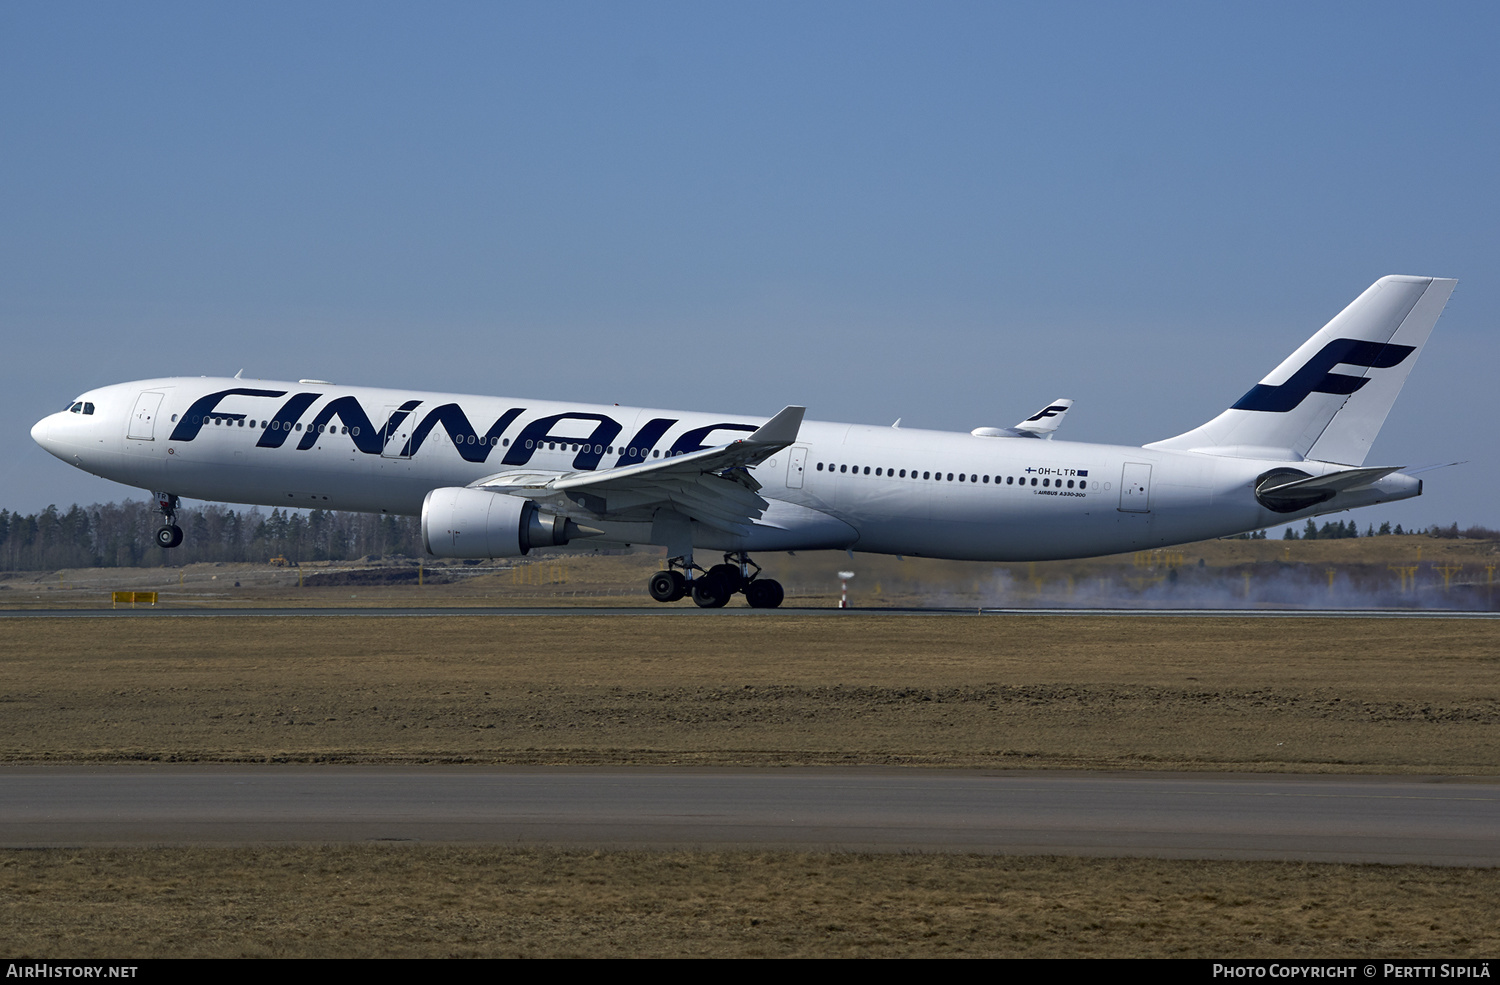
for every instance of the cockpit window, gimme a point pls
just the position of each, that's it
(77, 408)
(88, 408)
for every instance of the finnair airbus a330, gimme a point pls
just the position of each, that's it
(494, 477)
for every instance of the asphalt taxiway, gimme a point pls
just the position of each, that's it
(1433, 821)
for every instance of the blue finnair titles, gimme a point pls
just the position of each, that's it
(495, 477)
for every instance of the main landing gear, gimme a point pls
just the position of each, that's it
(170, 535)
(713, 588)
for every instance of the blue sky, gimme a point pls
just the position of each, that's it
(949, 213)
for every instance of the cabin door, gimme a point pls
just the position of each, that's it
(143, 418)
(395, 433)
(1135, 488)
(795, 466)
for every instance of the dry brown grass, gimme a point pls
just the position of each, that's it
(1352, 695)
(367, 901)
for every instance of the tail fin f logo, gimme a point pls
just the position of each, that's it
(1316, 375)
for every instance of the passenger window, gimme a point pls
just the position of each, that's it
(1083, 483)
(926, 475)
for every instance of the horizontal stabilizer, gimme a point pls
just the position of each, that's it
(1288, 491)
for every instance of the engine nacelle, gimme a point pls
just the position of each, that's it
(477, 523)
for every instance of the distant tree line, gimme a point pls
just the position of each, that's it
(121, 535)
(1338, 530)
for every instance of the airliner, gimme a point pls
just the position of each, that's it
(496, 477)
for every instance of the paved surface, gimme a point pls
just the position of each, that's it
(1439, 821)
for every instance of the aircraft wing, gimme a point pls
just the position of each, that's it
(711, 485)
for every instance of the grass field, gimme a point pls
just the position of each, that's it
(1347, 695)
(365, 901)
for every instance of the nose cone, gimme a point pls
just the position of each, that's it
(42, 434)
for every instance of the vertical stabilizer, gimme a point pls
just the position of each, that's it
(1328, 400)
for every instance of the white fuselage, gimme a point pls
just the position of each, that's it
(878, 489)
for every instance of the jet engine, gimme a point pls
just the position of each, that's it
(477, 523)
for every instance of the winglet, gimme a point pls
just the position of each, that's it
(780, 430)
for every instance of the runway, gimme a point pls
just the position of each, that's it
(1433, 821)
(692, 612)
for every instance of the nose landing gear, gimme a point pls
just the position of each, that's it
(712, 589)
(169, 535)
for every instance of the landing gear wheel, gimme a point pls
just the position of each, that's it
(764, 593)
(730, 575)
(169, 536)
(710, 592)
(667, 586)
